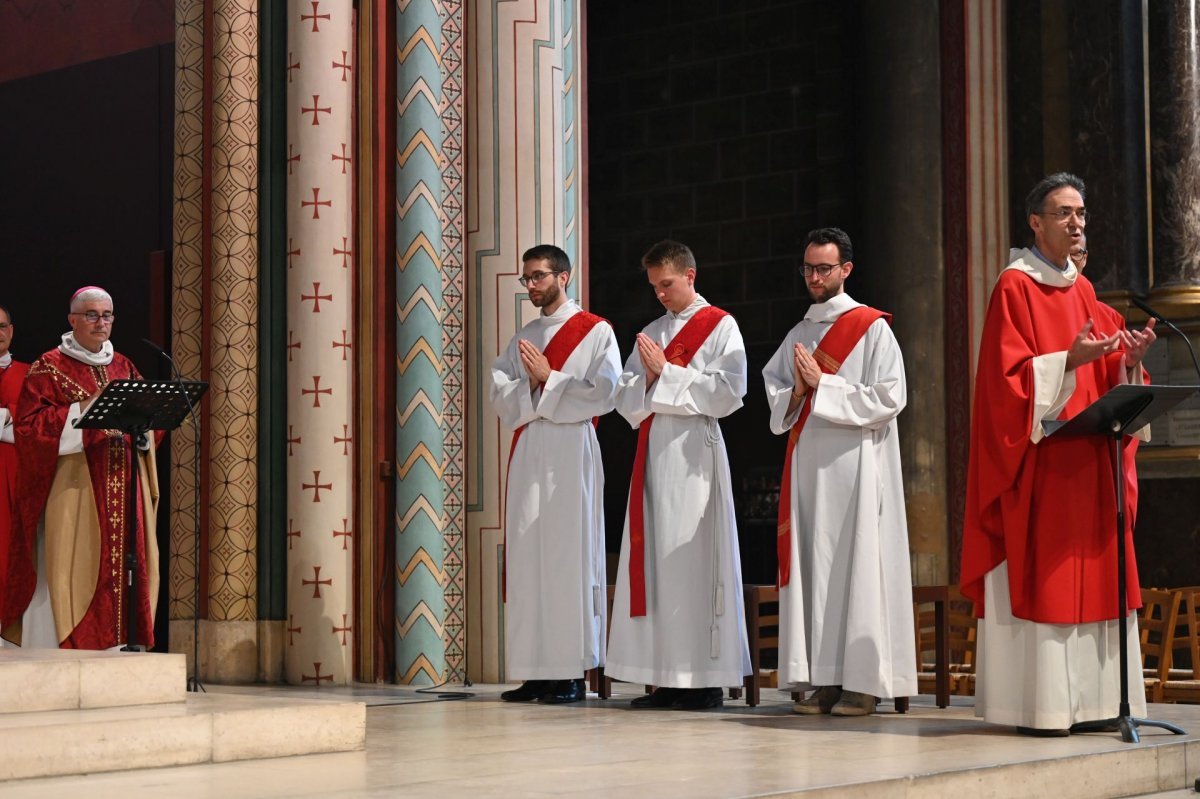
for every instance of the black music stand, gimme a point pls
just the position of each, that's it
(1123, 408)
(135, 407)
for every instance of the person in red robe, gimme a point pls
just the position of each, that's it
(1039, 544)
(12, 374)
(73, 498)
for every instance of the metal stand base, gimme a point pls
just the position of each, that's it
(1126, 725)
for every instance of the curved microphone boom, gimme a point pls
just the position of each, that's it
(1160, 318)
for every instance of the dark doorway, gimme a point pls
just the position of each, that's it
(727, 126)
(86, 200)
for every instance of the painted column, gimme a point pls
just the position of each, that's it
(320, 476)
(215, 295)
(523, 152)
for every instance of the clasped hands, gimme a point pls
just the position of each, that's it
(653, 357)
(805, 369)
(1088, 346)
(535, 363)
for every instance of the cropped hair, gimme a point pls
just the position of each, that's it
(1037, 197)
(558, 259)
(669, 253)
(832, 235)
(90, 294)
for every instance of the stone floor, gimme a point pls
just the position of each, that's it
(421, 746)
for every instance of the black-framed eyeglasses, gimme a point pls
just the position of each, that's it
(536, 277)
(93, 317)
(821, 269)
(1063, 214)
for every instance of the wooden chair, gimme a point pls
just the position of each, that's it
(596, 680)
(1183, 685)
(762, 631)
(1157, 620)
(954, 672)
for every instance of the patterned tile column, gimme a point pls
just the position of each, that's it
(421, 365)
(320, 314)
(523, 152)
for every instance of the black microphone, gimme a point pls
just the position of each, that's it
(165, 354)
(1159, 317)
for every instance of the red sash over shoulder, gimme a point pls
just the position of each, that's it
(835, 347)
(557, 351)
(680, 352)
(10, 387)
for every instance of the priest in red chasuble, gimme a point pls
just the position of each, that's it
(1039, 538)
(12, 374)
(73, 499)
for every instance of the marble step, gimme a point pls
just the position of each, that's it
(205, 728)
(67, 679)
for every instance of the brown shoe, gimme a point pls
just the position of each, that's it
(822, 701)
(853, 703)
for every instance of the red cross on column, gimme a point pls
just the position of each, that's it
(291, 252)
(316, 485)
(345, 251)
(343, 534)
(344, 66)
(344, 158)
(291, 158)
(292, 534)
(343, 344)
(318, 678)
(316, 391)
(291, 66)
(315, 203)
(316, 110)
(292, 440)
(291, 631)
(316, 297)
(316, 582)
(292, 345)
(345, 628)
(345, 439)
(314, 16)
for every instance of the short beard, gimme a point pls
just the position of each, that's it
(549, 296)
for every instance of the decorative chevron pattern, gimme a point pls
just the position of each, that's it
(528, 94)
(421, 366)
(320, 472)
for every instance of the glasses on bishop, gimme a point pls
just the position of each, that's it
(536, 277)
(821, 269)
(93, 317)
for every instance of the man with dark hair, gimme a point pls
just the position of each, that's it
(73, 492)
(557, 374)
(1039, 555)
(12, 375)
(678, 620)
(835, 386)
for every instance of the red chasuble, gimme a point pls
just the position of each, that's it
(10, 388)
(557, 351)
(1048, 509)
(54, 382)
(680, 351)
(848, 329)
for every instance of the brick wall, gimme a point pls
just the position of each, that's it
(728, 126)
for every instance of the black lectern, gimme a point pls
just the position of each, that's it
(135, 407)
(1123, 409)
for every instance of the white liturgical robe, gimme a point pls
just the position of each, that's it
(845, 618)
(554, 510)
(694, 632)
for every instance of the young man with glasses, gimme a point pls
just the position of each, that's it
(75, 597)
(678, 621)
(12, 375)
(1038, 555)
(553, 379)
(835, 386)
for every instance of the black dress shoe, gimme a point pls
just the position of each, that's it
(1039, 732)
(1095, 726)
(563, 691)
(529, 690)
(662, 697)
(699, 699)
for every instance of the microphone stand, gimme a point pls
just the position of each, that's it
(193, 684)
(1153, 314)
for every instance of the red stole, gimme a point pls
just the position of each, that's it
(679, 351)
(835, 347)
(560, 347)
